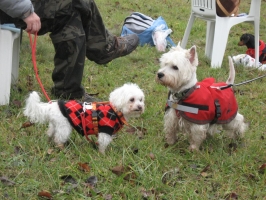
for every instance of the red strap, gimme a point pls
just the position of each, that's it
(33, 56)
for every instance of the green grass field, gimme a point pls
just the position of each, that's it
(138, 164)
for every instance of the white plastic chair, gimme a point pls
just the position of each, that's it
(218, 28)
(9, 60)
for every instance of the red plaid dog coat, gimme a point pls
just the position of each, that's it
(108, 119)
(214, 105)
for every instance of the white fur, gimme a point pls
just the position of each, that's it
(247, 61)
(178, 72)
(129, 99)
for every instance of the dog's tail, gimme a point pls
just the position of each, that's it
(35, 110)
(231, 78)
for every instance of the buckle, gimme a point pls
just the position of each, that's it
(218, 108)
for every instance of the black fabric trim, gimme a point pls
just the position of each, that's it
(61, 105)
(63, 110)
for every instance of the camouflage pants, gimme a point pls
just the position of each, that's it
(76, 31)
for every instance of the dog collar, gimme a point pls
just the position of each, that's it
(185, 93)
(120, 115)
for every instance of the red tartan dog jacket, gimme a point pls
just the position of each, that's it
(108, 120)
(214, 105)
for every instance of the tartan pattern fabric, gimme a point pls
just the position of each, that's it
(108, 120)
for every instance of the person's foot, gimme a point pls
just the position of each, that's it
(88, 98)
(121, 47)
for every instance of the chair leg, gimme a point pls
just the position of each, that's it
(209, 38)
(187, 31)
(15, 58)
(219, 42)
(257, 35)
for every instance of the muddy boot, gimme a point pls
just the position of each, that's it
(122, 46)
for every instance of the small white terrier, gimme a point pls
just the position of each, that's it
(102, 119)
(196, 108)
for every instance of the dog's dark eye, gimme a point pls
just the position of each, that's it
(132, 100)
(175, 67)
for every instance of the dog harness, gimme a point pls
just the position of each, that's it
(213, 104)
(92, 118)
(262, 52)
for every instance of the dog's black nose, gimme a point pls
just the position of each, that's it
(160, 75)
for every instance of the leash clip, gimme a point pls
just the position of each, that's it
(87, 106)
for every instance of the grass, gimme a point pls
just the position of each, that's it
(29, 164)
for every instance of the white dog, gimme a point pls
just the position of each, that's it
(97, 118)
(196, 108)
(247, 61)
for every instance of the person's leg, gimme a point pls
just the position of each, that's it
(101, 45)
(68, 38)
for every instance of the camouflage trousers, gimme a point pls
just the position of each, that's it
(77, 31)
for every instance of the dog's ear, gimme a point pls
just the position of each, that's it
(193, 58)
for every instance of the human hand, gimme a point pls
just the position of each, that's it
(33, 23)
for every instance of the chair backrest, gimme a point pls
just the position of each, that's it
(206, 8)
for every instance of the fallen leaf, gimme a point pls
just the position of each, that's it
(45, 194)
(251, 177)
(166, 145)
(92, 181)
(68, 179)
(207, 168)
(17, 150)
(84, 167)
(50, 151)
(135, 150)
(152, 156)
(6, 181)
(108, 197)
(141, 132)
(231, 196)
(262, 168)
(119, 170)
(204, 174)
(170, 177)
(17, 103)
(145, 194)
(26, 124)
(131, 130)
(71, 187)
(53, 160)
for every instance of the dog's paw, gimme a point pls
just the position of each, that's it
(102, 151)
(60, 146)
(193, 148)
(171, 141)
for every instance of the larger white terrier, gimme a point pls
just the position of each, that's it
(97, 118)
(196, 108)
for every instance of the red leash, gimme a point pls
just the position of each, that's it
(33, 56)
